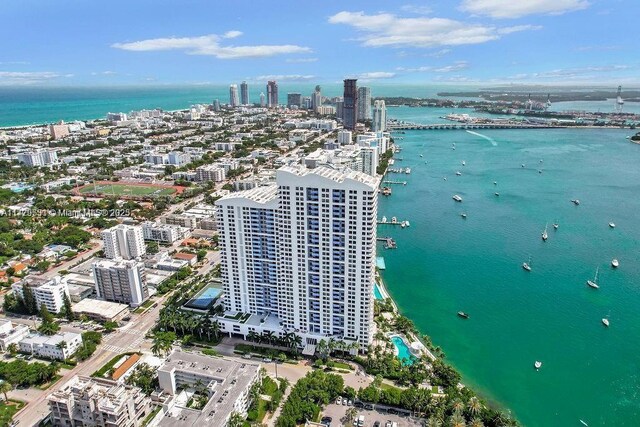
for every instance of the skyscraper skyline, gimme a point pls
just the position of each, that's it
(350, 104)
(244, 93)
(316, 99)
(379, 116)
(234, 100)
(272, 94)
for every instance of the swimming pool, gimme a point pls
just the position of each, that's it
(376, 292)
(403, 350)
(204, 299)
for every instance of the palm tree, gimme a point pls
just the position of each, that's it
(269, 336)
(476, 422)
(475, 406)
(252, 336)
(457, 405)
(5, 387)
(322, 348)
(62, 345)
(297, 342)
(434, 421)
(457, 420)
(215, 328)
(355, 345)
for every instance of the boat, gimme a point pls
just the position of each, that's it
(605, 322)
(537, 364)
(384, 219)
(458, 173)
(407, 170)
(545, 236)
(464, 163)
(407, 223)
(463, 215)
(594, 283)
(495, 182)
(403, 224)
(421, 155)
(445, 178)
(555, 225)
(575, 202)
(386, 191)
(463, 315)
(539, 170)
(527, 265)
(584, 423)
(614, 263)
(457, 198)
(522, 165)
(394, 220)
(612, 225)
(497, 194)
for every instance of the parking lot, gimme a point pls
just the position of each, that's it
(337, 413)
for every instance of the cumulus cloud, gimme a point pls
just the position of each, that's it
(518, 8)
(385, 29)
(29, 77)
(375, 75)
(210, 45)
(456, 66)
(104, 73)
(285, 77)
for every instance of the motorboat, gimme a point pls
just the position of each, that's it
(463, 215)
(464, 163)
(384, 219)
(463, 315)
(497, 194)
(421, 155)
(394, 220)
(537, 364)
(614, 263)
(539, 170)
(458, 173)
(495, 182)
(612, 225)
(445, 178)
(522, 165)
(575, 202)
(407, 223)
(527, 265)
(545, 236)
(594, 283)
(457, 198)
(605, 322)
(555, 225)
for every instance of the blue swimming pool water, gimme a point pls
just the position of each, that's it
(204, 298)
(403, 351)
(376, 292)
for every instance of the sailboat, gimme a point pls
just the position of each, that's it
(545, 236)
(594, 283)
(527, 265)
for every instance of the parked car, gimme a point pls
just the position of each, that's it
(368, 406)
(246, 356)
(349, 402)
(376, 424)
(326, 421)
(267, 360)
(339, 400)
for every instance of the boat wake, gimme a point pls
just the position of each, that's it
(491, 140)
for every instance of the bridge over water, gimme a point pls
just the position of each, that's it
(465, 126)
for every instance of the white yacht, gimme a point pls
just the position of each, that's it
(615, 263)
(383, 220)
(497, 194)
(464, 163)
(527, 265)
(594, 283)
(545, 236)
(575, 202)
(407, 223)
(394, 220)
(463, 215)
(612, 225)
(457, 198)
(537, 365)
(421, 155)
(458, 173)
(605, 322)
(555, 225)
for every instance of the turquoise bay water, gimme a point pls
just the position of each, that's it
(445, 263)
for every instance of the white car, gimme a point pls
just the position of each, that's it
(339, 400)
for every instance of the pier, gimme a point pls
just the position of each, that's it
(389, 242)
(395, 182)
(463, 126)
(394, 221)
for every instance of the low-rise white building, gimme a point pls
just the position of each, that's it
(11, 333)
(49, 293)
(164, 233)
(51, 347)
(210, 173)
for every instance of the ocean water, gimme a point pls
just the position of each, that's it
(445, 264)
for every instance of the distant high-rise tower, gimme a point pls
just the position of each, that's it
(294, 99)
(272, 94)
(379, 116)
(233, 96)
(316, 99)
(244, 93)
(364, 103)
(216, 105)
(339, 108)
(350, 105)
(262, 100)
(619, 100)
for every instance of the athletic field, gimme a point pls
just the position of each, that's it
(131, 190)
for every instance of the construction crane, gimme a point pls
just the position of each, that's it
(619, 100)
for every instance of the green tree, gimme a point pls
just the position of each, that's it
(5, 387)
(236, 420)
(29, 300)
(67, 310)
(110, 326)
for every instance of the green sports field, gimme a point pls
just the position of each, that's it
(117, 189)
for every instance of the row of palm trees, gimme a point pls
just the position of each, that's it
(325, 348)
(186, 322)
(289, 339)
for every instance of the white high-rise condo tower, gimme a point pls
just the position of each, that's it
(364, 103)
(300, 255)
(234, 100)
(123, 241)
(379, 116)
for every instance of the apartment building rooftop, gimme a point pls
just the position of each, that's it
(260, 195)
(336, 173)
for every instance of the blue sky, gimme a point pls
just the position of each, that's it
(115, 42)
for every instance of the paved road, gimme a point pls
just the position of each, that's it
(128, 338)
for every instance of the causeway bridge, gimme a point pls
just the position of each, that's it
(464, 126)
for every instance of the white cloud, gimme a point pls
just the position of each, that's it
(285, 77)
(439, 53)
(104, 73)
(520, 8)
(301, 60)
(457, 66)
(385, 29)
(232, 34)
(210, 45)
(579, 73)
(418, 10)
(375, 75)
(29, 77)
